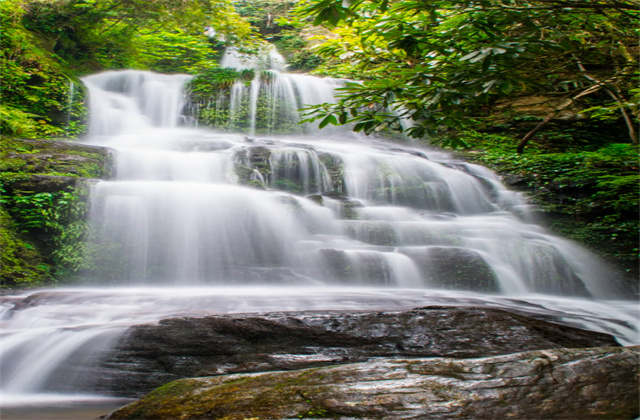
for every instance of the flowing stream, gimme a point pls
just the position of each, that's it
(199, 222)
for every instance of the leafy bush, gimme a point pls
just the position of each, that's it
(58, 215)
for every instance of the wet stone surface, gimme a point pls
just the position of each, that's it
(597, 383)
(149, 356)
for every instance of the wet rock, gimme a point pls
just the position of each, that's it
(349, 209)
(336, 264)
(35, 166)
(453, 268)
(362, 267)
(593, 383)
(556, 276)
(47, 183)
(335, 168)
(152, 355)
(373, 232)
(252, 166)
(316, 198)
(346, 208)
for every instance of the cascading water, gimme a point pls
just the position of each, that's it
(269, 103)
(361, 224)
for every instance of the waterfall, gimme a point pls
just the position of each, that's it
(270, 103)
(198, 221)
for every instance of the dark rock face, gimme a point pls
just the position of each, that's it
(152, 355)
(48, 183)
(599, 383)
(361, 268)
(454, 268)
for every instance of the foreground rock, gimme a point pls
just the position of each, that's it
(153, 355)
(598, 383)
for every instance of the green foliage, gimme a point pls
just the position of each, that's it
(208, 83)
(264, 14)
(441, 63)
(37, 97)
(109, 33)
(44, 211)
(275, 21)
(61, 216)
(47, 44)
(297, 50)
(20, 264)
(175, 51)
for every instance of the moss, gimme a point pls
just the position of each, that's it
(291, 395)
(375, 233)
(349, 210)
(55, 158)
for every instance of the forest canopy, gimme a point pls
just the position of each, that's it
(46, 44)
(441, 63)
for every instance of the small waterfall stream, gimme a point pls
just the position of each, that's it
(270, 102)
(198, 222)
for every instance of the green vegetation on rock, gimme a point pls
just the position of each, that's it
(22, 264)
(44, 188)
(523, 385)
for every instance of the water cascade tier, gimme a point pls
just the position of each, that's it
(192, 207)
(295, 222)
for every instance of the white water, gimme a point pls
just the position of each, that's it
(227, 225)
(270, 102)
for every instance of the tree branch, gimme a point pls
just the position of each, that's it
(545, 121)
(621, 104)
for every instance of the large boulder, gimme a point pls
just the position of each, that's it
(598, 383)
(152, 355)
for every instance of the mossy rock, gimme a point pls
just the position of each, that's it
(55, 158)
(356, 268)
(252, 166)
(44, 184)
(335, 168)
(597, 383)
